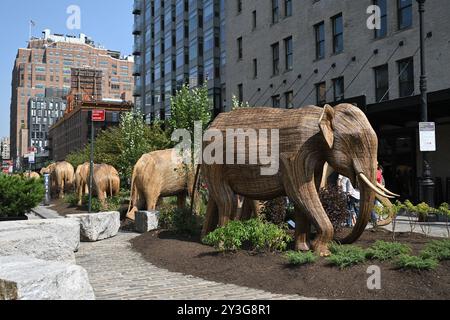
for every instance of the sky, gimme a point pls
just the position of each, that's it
(108, 22)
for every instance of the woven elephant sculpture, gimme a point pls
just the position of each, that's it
(62, 176)
(106, 182)
(308, 138)
(155, 176)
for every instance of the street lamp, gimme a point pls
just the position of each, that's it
(427, 183)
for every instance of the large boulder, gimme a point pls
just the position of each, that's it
(36, 244)
(25, 278)
(146, 221)
(66, 230)
(98, 226)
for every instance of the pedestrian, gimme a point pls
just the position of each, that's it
(353, 199)
(380, 179)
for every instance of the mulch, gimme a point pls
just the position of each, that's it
(270, 271)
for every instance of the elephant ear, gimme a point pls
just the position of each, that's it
(326, 125)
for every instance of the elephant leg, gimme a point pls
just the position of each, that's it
(227, 204)
(302, 230)
(151, 199)
(80, 195)
(211, 218)
(181, 202)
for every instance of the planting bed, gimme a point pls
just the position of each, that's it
(271, 272)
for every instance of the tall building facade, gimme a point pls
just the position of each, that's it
(177, 42)
(43, 114)
(4, 148)
(46, 64)
(288, 54)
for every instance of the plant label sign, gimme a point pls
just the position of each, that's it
(427, 132)
(98, 115)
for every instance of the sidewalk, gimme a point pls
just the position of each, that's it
(432, 229)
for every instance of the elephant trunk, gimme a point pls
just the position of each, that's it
(367, 204)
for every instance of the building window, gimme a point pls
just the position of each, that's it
(276, 101)
(406, 77)
(240, 51)
(321, 93)
(338, 87)
(275, 59)
(404, 11)
(288, 8)
(289, 99)
(275, 11)
(254, 20)
(241, 93)
(320, 40)
(338, 33)
(382, 32)
(255, 68)
(382, 83)
(239, 6)
(289, 53)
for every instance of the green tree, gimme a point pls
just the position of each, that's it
(189, 106)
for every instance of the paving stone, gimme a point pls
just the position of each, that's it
(117, 272)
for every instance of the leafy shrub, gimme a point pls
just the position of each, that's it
(408, 262)
(260, 235)
(384, 251)
(346, 256)
(186, 223)
(18, 195)
(274, 211)
(334, 202)
(301, 258)
(266, 235)
(228, 238)
(166, 211)
(439, 250)
(112, 204)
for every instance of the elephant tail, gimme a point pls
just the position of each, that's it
(133, 193)
(195, 187)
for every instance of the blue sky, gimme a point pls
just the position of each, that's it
(108, 22)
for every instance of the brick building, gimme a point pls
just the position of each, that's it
(73, 131)
(46, 64)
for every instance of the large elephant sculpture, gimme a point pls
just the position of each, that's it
(62, 176)
(106, 182)
(157, 175)
(308, 138)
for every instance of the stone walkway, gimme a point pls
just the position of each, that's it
(117, 272)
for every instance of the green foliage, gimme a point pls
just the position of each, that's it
(186, 223)
(346, 256)
(274, 211)
(189, 106)
(384, 251)
(438, 249)
(19, 195)
(236, 104)
(408, 262)
(122, 146)
(112, 204)
(444, 209)
(260, 235)
(301, 258)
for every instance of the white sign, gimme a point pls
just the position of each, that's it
(31, 158)
(427, 132)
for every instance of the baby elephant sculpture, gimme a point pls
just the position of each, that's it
(308, 137)
(62, 176)
(157, 175)
(106, 182)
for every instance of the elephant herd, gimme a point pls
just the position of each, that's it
(309, 138)
(63, 179)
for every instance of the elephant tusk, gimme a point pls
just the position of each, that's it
(387, 191)
(372, 186)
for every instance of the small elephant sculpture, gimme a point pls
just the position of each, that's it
(157, 175)
(62, 176)
(106, 182)
(308, 138)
